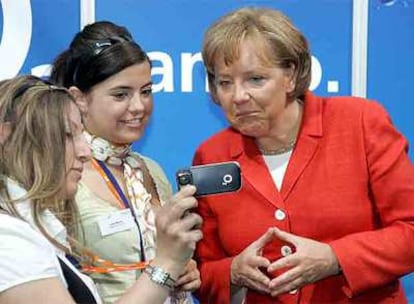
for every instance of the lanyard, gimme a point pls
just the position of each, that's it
(116, 190)
(87, 261)
(109, 183)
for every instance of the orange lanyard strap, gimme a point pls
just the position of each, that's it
(114, 267)
(123, 203)
(108, 182)
(92, 263)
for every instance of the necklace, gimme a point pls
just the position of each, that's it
(280, 150)
(291, 144)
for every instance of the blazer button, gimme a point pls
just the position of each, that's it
(280, 215)
(286, 250)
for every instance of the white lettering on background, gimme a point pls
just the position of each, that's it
(188, 60)
(165, 70)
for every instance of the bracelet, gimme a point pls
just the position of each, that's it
(160, 276)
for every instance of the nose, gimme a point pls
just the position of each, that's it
(136, 104)
(240, 94)
(82, 150)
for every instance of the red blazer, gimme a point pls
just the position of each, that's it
(349, 183)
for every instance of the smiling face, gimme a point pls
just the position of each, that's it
(253, 94)
(118, 109)
(77, 151)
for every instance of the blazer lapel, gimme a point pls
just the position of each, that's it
(254, 169)
(307, 143)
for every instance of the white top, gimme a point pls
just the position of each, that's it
(277, 165)
(25, 254)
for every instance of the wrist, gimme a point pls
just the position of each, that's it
(234, 278)
(173, 268)
(160, 276)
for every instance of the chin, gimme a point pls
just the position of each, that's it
(70, 191)
(130, 138)
(252, 130)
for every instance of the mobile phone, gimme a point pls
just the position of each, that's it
(212, 178)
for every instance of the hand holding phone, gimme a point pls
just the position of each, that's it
(211, 178)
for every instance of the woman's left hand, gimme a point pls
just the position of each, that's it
(311, 262)
(190, 279)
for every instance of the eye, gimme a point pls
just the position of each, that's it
(121, 95)
(146, 91)
(223, 82)
(256, 79)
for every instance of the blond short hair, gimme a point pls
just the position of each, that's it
(278, 41)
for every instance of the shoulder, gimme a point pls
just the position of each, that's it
(152, 165)
(351, 104)
(222, 146)
(25, 254)
(154, 168)
(157, 173)
(351, 111)
(12, 228)
(343, 103)
(227, 136)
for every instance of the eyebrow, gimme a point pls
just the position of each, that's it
(249, 72)
(122, 87)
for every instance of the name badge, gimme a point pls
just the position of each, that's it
(118, 221)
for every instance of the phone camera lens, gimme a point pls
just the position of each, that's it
(185, 179)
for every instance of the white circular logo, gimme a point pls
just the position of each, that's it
(17, 32)
(227, 179)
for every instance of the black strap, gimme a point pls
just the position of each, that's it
(76, 287)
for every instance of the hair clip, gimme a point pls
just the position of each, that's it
(100, 45)
(53, 87)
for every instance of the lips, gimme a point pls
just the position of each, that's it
(78, 170)
(244, 114)
(133, 120)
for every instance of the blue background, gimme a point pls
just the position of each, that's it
(182, 120)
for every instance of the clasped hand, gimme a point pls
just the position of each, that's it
(190, 279)
(311, 262)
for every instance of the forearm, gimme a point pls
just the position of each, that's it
(377, 254)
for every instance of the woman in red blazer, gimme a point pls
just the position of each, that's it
(326, 210)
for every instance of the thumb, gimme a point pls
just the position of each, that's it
(266, 238)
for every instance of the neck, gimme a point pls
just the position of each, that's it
(103, 150)
(286, 131)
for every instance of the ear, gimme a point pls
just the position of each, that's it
(80, 99)
(5, 129)
(290, 74)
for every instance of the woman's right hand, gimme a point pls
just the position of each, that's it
(178, 231)
(244, 270)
